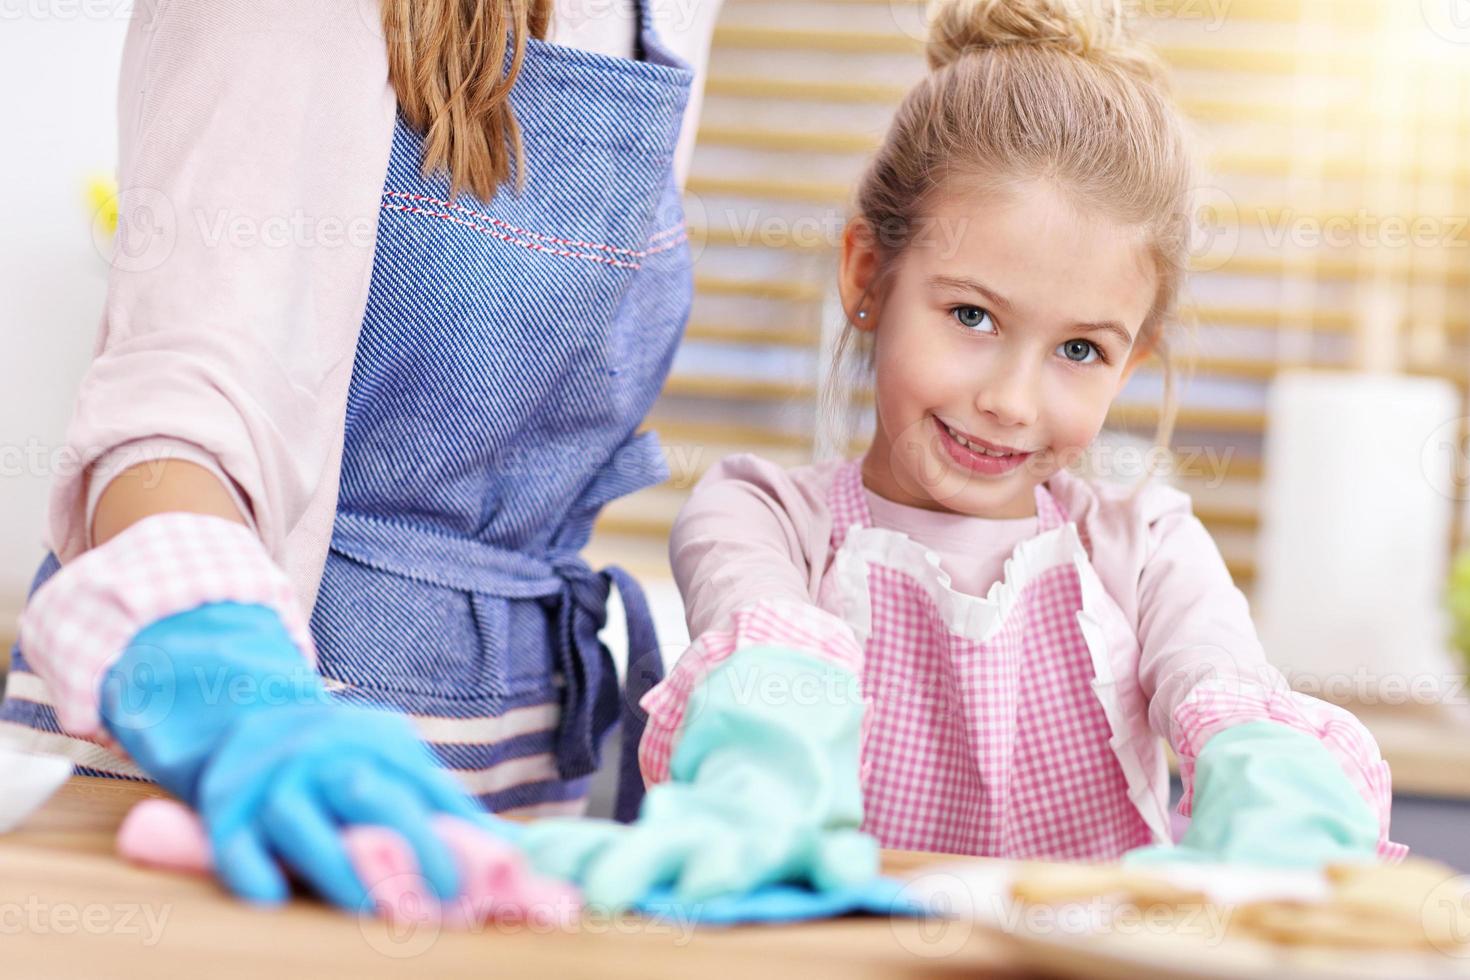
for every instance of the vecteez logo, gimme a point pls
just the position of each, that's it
(1447, 19)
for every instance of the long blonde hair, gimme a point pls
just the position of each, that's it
(446, 62)
(1022, 89)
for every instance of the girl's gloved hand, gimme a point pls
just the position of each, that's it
(764, 788)
(1265, 793)
(220, 707)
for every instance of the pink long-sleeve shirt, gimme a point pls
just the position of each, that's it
(753, 530)
(752, 554)
(252, 142)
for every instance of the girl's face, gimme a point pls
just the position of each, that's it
(1010, 320)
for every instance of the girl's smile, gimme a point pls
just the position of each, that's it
(976, 455)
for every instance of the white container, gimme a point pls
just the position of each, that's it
(1353, 550)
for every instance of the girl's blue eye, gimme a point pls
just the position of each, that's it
(970, 316)
(1085, 345)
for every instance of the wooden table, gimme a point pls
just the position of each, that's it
(70, 908)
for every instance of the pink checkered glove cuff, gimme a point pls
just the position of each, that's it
(76, 625)
(764, 622)
(1215, 705)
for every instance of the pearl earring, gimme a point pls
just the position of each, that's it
(862, 314)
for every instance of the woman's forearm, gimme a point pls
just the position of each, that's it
(155, 487)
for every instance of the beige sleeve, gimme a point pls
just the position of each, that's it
(253, 139)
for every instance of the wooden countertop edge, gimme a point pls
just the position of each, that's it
(63, 855)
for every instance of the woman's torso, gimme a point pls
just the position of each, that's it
(509, 350)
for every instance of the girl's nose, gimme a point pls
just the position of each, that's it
(1008, 394)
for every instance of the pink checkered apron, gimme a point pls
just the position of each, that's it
(985, 735)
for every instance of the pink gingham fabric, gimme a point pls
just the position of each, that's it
(1200, 646)
(998, 747)
(786, 623)
(1214, 705)
(77, 624)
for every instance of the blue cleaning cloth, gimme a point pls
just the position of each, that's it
(784, 903)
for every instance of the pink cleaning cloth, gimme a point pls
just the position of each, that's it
(497, 883)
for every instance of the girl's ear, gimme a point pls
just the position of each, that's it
(1139, 354)
(857, 274)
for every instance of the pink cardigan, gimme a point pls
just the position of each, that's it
(252, 142)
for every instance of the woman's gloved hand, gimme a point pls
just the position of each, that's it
(763, 788)
(220, 707)
(1265, 793)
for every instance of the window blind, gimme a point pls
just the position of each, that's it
(1331, 226)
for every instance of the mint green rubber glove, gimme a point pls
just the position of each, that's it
(1265, 793)
(763, 788)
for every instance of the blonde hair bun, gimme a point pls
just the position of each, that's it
(1090, 29)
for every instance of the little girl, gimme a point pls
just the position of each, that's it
(1025, 641)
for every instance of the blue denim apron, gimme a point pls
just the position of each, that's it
(508, 353)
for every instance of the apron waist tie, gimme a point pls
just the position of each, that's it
(583, 614)
(563, 578)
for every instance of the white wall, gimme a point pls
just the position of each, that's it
(58, 70)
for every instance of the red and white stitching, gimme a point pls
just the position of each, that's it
(512, 239)
(674, 243)
(571, 242)
(667, 231)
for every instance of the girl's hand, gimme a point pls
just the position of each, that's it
(701, 847)
(1267, 794)
(764, 789)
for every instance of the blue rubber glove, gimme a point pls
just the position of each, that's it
(220, 708)
(1267, 794)
(763, 789)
